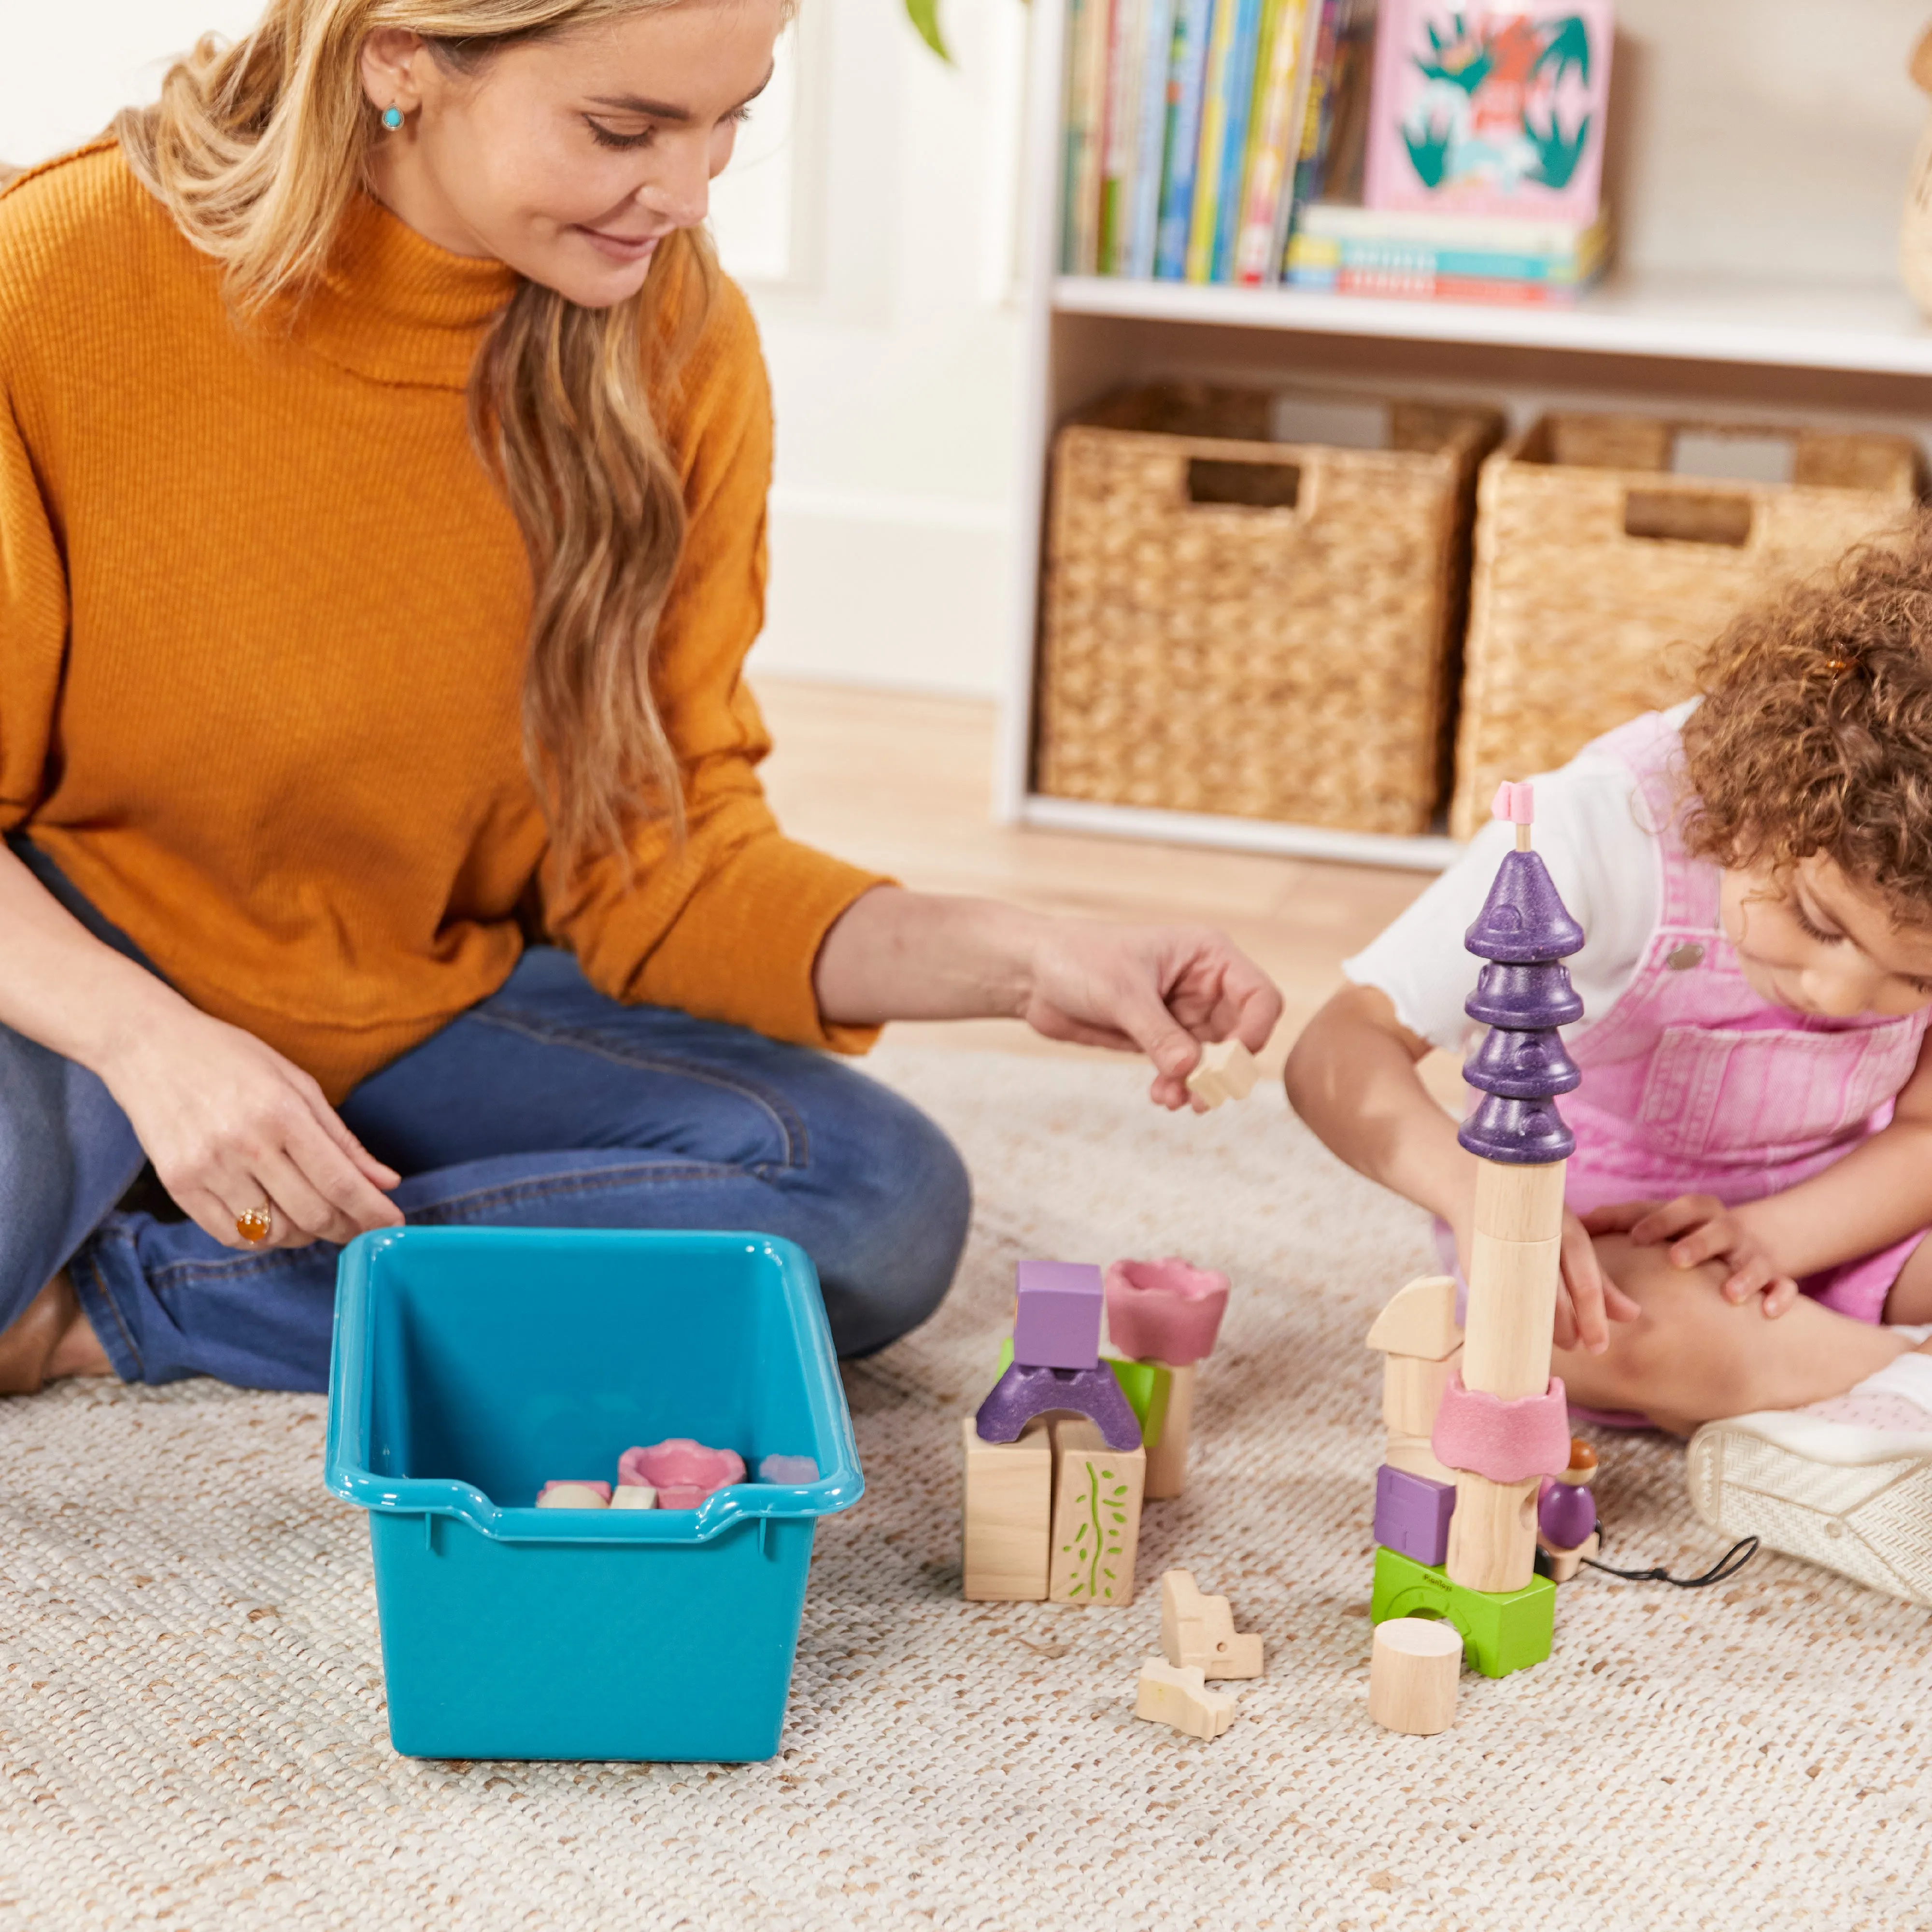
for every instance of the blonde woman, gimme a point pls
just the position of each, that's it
(382, 471)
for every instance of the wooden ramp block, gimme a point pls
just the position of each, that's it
(1412, 1392)
(1096, 1516)
(1009, 1516)
(1198, 1632)
(1420, 1321)
(1167, 1695)
(1225, 1071)
(1412, 1674)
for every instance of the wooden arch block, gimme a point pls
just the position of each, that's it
(1420, 1321)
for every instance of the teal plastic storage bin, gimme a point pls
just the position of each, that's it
(473, 1365)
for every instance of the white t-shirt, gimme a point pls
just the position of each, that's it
(1590, 831)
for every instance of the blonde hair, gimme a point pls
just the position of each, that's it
(258, 150)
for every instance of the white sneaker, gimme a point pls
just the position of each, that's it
(1846, 1482)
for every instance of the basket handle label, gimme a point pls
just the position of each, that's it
(1721, 517)
(1218, 482)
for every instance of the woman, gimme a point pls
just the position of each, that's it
(382, 469)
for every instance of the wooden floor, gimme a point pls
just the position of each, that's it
(904, 784)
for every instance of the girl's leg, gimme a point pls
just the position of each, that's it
(1693, 1357)
(549, 1106)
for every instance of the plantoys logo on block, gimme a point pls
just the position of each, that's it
(1490, 110)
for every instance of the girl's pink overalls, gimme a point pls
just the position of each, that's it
(1692, 1085)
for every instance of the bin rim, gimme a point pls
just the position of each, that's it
(346, 1457)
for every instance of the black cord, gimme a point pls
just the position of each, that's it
(1726, 1567)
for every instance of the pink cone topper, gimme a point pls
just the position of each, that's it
(683, 1472)
(1166, 1311)
(1516, 802)
(1507, 1441)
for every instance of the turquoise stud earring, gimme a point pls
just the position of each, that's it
(392, 118)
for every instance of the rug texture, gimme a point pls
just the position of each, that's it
(194, 1733)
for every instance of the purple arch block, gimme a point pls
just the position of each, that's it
(1022, 1393)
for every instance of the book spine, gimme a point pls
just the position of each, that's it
(1069, 136)
(1317, 108)
(1099, 23)
(1123, 101)
(1186, 87)
(1156, 62)
(1213, 132)
(1413, 285)
(1394, 258)
(1319, 30)
(1276, 92)
(1235, 144)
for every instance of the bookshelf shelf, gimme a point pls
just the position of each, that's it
(1871, 330)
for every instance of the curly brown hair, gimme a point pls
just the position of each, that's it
(1815, 734)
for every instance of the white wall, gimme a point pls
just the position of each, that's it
(870, 213)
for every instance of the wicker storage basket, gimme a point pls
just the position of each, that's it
(1600, 572)
(1242, 618)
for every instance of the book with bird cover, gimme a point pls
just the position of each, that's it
(1490, 110)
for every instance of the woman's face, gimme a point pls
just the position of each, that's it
(570, 158)
(1812, 940)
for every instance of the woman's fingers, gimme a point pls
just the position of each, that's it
(341, 1185)
(331, 1122)
(302, 1213)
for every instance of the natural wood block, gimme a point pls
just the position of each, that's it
(1412, 1671)
(1225, 1071)
(1564, 1564)
(1492, 1534)
(1519, 1204)
(1414, 1454)
(1419, 1321)
(1009, 1516)
(1412, 1392)
(1167, 1460)
(1096, 1516)
(1168, 1695)
(1511, 1311)
(1199, 1632)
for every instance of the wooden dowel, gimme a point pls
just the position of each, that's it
(1492, 1534)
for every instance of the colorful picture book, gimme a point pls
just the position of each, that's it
(1489, 109)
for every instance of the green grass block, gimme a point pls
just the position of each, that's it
(1509, 1631)
(1147, 1386)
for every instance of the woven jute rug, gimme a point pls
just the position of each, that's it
(193, 1724)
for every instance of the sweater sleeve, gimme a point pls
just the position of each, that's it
(33, 626)
(727, 927)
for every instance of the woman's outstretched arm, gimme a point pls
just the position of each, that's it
(1159, 990)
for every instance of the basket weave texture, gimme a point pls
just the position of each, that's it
(1577, 623)
(1258, 628)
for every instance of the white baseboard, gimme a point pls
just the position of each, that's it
(909, 593)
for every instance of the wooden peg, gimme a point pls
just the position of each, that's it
(1225, 1071)
(1412, 1673)
(1180, 1697)
(1420, 1321)
(1198, 1631)
(1096, 1516)
(1492, 1533)
(1008, 1515)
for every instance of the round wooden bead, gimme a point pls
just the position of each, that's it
(1412, 1674)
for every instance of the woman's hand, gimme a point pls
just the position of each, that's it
(230, 1126)
(1699, 1228)
(1162, 989)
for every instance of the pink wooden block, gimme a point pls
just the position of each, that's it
(1166, 1311)
(1507, 1441)
(678, 1467)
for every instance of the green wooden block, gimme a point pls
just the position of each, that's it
(1508, 1631)
(1147, 1386)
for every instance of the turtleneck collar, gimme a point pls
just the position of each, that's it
(393, 307)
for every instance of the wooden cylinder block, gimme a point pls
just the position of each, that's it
(1492, 1534)
(1167, 1460)
(1519, 1204)
(1413, 1454)
(1412, 1674)
(1512, 1310)
(1412, 1392)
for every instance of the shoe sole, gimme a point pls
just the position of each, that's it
(1854, 1500)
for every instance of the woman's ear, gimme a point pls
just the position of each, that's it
(392, 59)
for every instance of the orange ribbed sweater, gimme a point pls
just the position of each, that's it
(262, 616)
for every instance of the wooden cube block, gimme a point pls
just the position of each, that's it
(1198, 1632)
(1412, 1391)
(1009, 1516)
(1165, 1695)
(1096, 1516)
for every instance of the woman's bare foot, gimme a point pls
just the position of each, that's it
(50, 1338)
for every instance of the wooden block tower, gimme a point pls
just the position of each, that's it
(1501, 1426)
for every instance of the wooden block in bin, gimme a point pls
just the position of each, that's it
(1008, 1515)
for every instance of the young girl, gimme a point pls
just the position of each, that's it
(383, 474)
(1752, 1175)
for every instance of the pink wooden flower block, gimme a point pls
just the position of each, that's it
(1166, 1311)
(682, 1471)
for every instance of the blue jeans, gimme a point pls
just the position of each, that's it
(545, 1106)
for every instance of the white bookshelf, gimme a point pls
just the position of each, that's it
(1774, 300)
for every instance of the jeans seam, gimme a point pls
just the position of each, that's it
(114, 1308)
(791, 1126)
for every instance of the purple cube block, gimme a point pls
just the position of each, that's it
(1412, 1514)
(1058, 1325)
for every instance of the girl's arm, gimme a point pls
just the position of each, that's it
(895, 955)
(1352, 1078)
(229, 1124)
